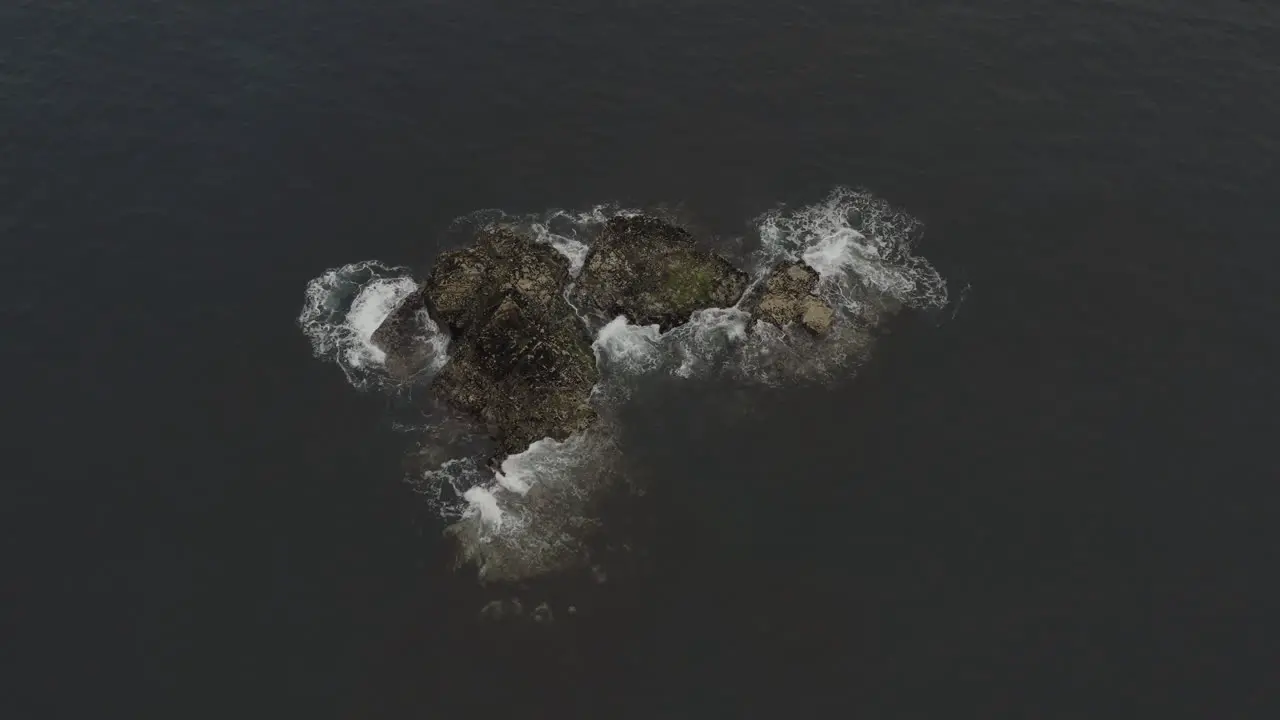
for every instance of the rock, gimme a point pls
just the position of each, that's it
(520, 360)
(500, 262)
(650, 271)
(403, 338)
(543, 613)
(817, 317)
(789, 296)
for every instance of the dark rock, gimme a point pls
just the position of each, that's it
(520, 360)
(650, 271)
(500, 262)
(405, 339)
(790, 296)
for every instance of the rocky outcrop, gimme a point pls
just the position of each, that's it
(405, 337)
(520, 360)
(501, 262)
(650, 271)
(789, 295)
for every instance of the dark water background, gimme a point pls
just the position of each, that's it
(1058, 504)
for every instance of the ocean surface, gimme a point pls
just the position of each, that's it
(1053, 495)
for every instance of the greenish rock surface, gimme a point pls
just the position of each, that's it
(650, 271)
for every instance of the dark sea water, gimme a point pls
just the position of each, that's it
(1055, 498)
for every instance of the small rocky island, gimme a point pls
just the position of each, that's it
(520, 355)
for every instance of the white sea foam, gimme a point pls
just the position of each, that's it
(445, 485)
(484, 505)
(596, 216)
(573, 249)
(834, 253)
(374, 303)
(707, 339)
(621, 347)
(343, 307)
(464, 488)
(436, 338)
(530, 516)
(542, 463)
(861, 248)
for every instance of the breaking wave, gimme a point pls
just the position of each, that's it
(861, 247)
(344, 306)
(626, 349)
(534, 513)
(531, 516)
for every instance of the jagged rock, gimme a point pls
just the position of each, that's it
(501, 261)
(519, 359)
(650, 271)
(402, 337)
(789, 296)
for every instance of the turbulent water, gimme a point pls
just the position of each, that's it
(346, 305)
(534, 514)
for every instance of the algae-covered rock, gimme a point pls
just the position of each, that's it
(790, 296)
(650, 271)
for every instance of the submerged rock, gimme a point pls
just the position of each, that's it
(650, 271)
(790, 296)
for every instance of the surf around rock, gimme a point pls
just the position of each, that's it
(520, 351)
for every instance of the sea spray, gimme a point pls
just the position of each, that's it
(344, 306)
